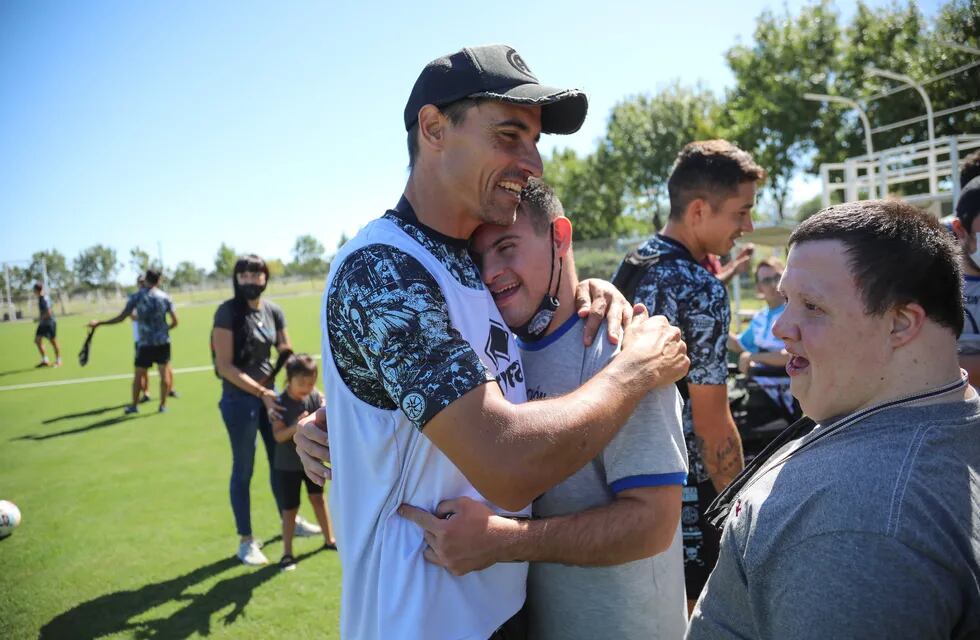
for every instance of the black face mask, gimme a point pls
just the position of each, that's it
(541, 319)
(251, 291)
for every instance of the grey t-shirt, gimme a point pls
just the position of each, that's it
(44, 310)
(152, 306)
(641, 599)
(261, 326)
(870, 532)
(286, 458)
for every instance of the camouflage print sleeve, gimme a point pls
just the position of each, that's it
(695, 302)
(391, 337)
(705, 320)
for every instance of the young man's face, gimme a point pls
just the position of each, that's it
(767, 282)
(724, 223)
(515, 263)
(490, 155)
(838, 349)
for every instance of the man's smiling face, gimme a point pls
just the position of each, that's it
(490, 155)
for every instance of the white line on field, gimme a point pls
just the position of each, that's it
(117, 376)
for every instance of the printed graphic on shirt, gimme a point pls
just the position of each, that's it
(498, 350)
(693, 300)
(391, 336)
(457, 260)
(151, 307)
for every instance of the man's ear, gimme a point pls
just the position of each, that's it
(696, 211)
(563, 235)
(907, 322)
(958, 229)
(432, 127)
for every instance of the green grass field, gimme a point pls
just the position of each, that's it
(127, 531)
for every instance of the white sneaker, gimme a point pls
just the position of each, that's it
(305, 529)
(250, 554)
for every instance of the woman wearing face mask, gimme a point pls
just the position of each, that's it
(246, 328)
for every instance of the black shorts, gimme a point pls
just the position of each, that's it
(49, 331)
(148, 355)
(289, 486)
(701, 540)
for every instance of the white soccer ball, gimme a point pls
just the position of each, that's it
(9, 518)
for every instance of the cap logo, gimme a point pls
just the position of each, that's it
(518, 63)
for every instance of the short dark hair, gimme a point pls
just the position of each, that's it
(455, 111)
(152, 276)
(711, 170)
(541, 204)
(897, 253)
(300, 364)
(38, 286)
(970, 168)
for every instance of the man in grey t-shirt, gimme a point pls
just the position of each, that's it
(605, 545)
(868, 525)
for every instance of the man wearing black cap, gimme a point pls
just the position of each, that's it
(966, 226)
(411, 337)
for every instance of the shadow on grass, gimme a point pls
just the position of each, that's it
(13, 371)
(115, 612)
(82, 414)
(108, 422)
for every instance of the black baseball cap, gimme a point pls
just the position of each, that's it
(497, 72)
(968, 206)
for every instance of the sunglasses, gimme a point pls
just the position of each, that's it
(770, 280)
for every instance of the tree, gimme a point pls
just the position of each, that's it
(591, 192)
(186, 273)
(140, 260)
(765, 112)
(224, 261)
(644, 135)
(54, 263)
(308, 257)
(276, 267)
(96, 266)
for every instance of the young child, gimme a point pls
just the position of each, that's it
(299, 399)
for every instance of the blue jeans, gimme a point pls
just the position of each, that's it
(244, 415)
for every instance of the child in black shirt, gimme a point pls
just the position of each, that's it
(298, 400)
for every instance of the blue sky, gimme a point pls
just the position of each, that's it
(188, 124)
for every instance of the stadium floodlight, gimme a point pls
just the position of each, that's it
(868, 146)
(899, 77)
(820, 97)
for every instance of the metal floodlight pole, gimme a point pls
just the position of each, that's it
(10, 301)
(819, 97)
(868, 146)
(891, 75)
(959, 47)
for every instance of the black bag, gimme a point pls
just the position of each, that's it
(83, 354)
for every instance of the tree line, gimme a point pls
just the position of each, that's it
(620, 188)
(98, 267)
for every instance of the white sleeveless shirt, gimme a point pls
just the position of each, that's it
(380, 460)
